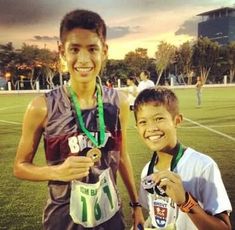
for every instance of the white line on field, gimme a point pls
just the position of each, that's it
(187, 119)
(10, 122)
(210, 129)
(211, 126)
(11, 107)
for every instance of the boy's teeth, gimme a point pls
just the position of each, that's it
(153, 138)
(83, 69)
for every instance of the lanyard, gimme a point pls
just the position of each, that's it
(101, 124)
(154, 161)
(177, 157)
(174, 160)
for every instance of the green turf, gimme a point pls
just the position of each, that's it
(22, 202)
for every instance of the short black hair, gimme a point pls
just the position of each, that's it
(132, 78)
(146, 73)
(157, 96)
(84, 19)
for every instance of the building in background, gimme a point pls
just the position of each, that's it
(218, 25)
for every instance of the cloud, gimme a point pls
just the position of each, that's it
(30, 12)
(38, 38)
(165, 5)
(120, 31)
(189, 27)
(112, 33)
(27, 12)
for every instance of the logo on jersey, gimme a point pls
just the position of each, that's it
(81, 142)
(160, 212)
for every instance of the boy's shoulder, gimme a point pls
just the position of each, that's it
(190, 160)
(56, 90)
(191, 154)
(196, 162)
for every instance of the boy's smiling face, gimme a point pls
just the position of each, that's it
(156, 127)
(84, 53)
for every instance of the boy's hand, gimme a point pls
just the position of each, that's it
(138, 218)
(73, 168)
(171, 183)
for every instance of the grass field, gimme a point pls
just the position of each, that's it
(209, 129)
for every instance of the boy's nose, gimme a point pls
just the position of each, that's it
(151, 126)
(83, 56)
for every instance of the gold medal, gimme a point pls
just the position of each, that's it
(94, 154)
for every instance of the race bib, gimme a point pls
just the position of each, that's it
(93, 204)
(165, 213)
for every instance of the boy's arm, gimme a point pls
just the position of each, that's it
(174, 188)
(215, 201)
(125, 167)
(205, 221)
(32, 129)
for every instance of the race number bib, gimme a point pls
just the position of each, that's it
(93, 204)
(165, 213)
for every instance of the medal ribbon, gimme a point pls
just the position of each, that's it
(174, 160)
(154, 161)
(101, 124)
(177, 157)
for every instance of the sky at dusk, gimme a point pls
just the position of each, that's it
(131, 23)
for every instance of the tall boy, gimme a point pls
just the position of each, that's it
(180, 187)
(84, 129)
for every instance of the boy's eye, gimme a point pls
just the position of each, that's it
(73, 50)
(93, 49)
(159, 118)
(141, 122)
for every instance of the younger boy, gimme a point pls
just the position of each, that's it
(180, 187)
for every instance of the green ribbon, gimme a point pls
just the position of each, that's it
(177, 157)
(174, 160)
(101, 125)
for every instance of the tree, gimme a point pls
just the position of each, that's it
(31, 54)
(28, 63)
(221, 68)
(205, 55)
(7, 56)
(114, 70)
(184, 60)
(231, 60)
(42, 64)
(165, 55)
(137, 61)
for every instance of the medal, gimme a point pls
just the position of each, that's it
(94, 154)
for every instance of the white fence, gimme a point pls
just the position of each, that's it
(38, 90)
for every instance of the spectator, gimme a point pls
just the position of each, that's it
(145, 82)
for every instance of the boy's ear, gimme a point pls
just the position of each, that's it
(105, 52)
(61, 51)
(178, 119)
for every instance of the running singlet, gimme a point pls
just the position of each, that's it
(94, 202)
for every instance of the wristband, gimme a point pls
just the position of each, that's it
(135, 204)
(189, 204)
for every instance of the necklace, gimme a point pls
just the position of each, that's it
(101, 125)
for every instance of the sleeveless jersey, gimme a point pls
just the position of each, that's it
(63, 136)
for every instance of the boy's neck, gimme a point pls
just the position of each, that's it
(85, 94)
(83, 90)
(164, 161)
(165, 157)
(172, 151)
